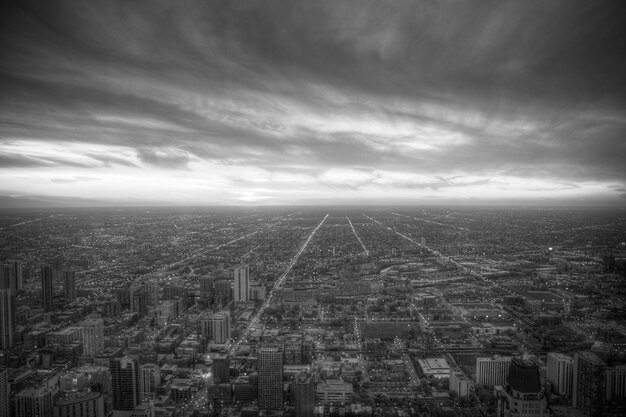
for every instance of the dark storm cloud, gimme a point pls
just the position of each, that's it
(530, 88)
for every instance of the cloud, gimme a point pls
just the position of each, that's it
(19, 161)
(354, 95)
(165, 157)
(73, 180)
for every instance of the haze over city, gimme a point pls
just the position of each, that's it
(312, 102)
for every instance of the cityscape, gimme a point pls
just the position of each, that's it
(312, 208)
(326, 311)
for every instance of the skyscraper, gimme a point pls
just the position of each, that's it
(522, 394)
(206, 288)
(124, 383)
(4, 392)
(588, 387)
(304, 392)
(171, 292)
(46, 287)
(149, 380)
(152, 291)
(561, 373)
(138, 299)
(5, 282)
(223, 292)
(270, 377)
(11, 276)
(33, 401)
(492, 372)
(93, 336)
(204, 326)
(615, 383)
(241, 283)
(69, 285)
(220, 328)
(7, 319)
(221, 368)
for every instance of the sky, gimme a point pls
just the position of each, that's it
(313, 102)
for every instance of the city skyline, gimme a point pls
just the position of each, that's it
(353, 311)
(267, 103)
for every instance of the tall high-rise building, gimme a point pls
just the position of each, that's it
(206, 288)
(69, 285)
(46, 287)
(223, 292)
(152, 292)
(149, 380)
(138, 299)
(124, 383)
(204, 326)
(561, 373)
(615, 383)
(491, 372)
(241, 283)
(221, 368)
(5, 282)
(16, 275)
(270, 359)
(588, 386)
(220, 328)
(7, 319)
(171, 292)
(33, 402)
(522, 395)
(304, 393)
(4, 392)
(11, 276)
(92, 336)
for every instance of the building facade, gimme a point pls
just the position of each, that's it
(7, 319)
(588, 385)
(149, 380)
(89, 404)
(69, 285)
(241, 286)
(491, 372)
(270, 377)
(560, 373)
(33, 402)
(93, 336)
(304, 394)
(615, 383)
(220, 328)
(4, 392)
(46, 288)
(459, 383)
(124, 383)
